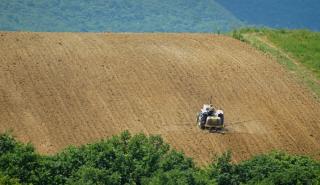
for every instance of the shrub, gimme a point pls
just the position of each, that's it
(139, 159)
(18, 160)
(280, 168)
(238, 35)
(223, 170)
(6, 180)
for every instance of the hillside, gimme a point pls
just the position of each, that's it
(296, 50)
(58, 89)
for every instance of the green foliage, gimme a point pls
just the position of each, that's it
(173, 177)
(6, 180)
(175, 168)
(7, 143)
(237, 35)
(18, 160)
(274, 168)
(89, 176)
(280, 168)
(304, 45)
(224, 171)
(138, 159)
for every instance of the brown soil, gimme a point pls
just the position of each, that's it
(58, 89)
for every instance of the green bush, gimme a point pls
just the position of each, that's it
(91, 176)
(6, 180)
(238, 35)
(224, 171)
(18, 160)
(139, 159)
(280, 168)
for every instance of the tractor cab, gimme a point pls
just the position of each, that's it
(206, 107)
(210, 118)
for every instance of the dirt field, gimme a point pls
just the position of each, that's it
(58, 89)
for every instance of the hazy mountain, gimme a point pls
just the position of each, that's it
(116, 15)
(276, 13)
(155, 15)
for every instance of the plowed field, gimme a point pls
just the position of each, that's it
(58, 89)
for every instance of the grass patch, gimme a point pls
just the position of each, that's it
(297, 50)
(302, 44)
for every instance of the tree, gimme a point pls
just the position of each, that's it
(224, 171)
(6, 180)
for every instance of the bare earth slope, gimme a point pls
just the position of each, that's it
(58, 89)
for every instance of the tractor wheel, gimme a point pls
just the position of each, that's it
(221, 118)
(198, 114)
(201, 125)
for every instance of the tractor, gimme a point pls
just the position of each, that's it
(210, 118)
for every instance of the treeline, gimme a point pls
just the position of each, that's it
(138, 159)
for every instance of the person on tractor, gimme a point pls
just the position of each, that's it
(208, 112)
(211, 111)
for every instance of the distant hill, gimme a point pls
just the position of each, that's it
(116, 16)
(156, 16)
(292, 14)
